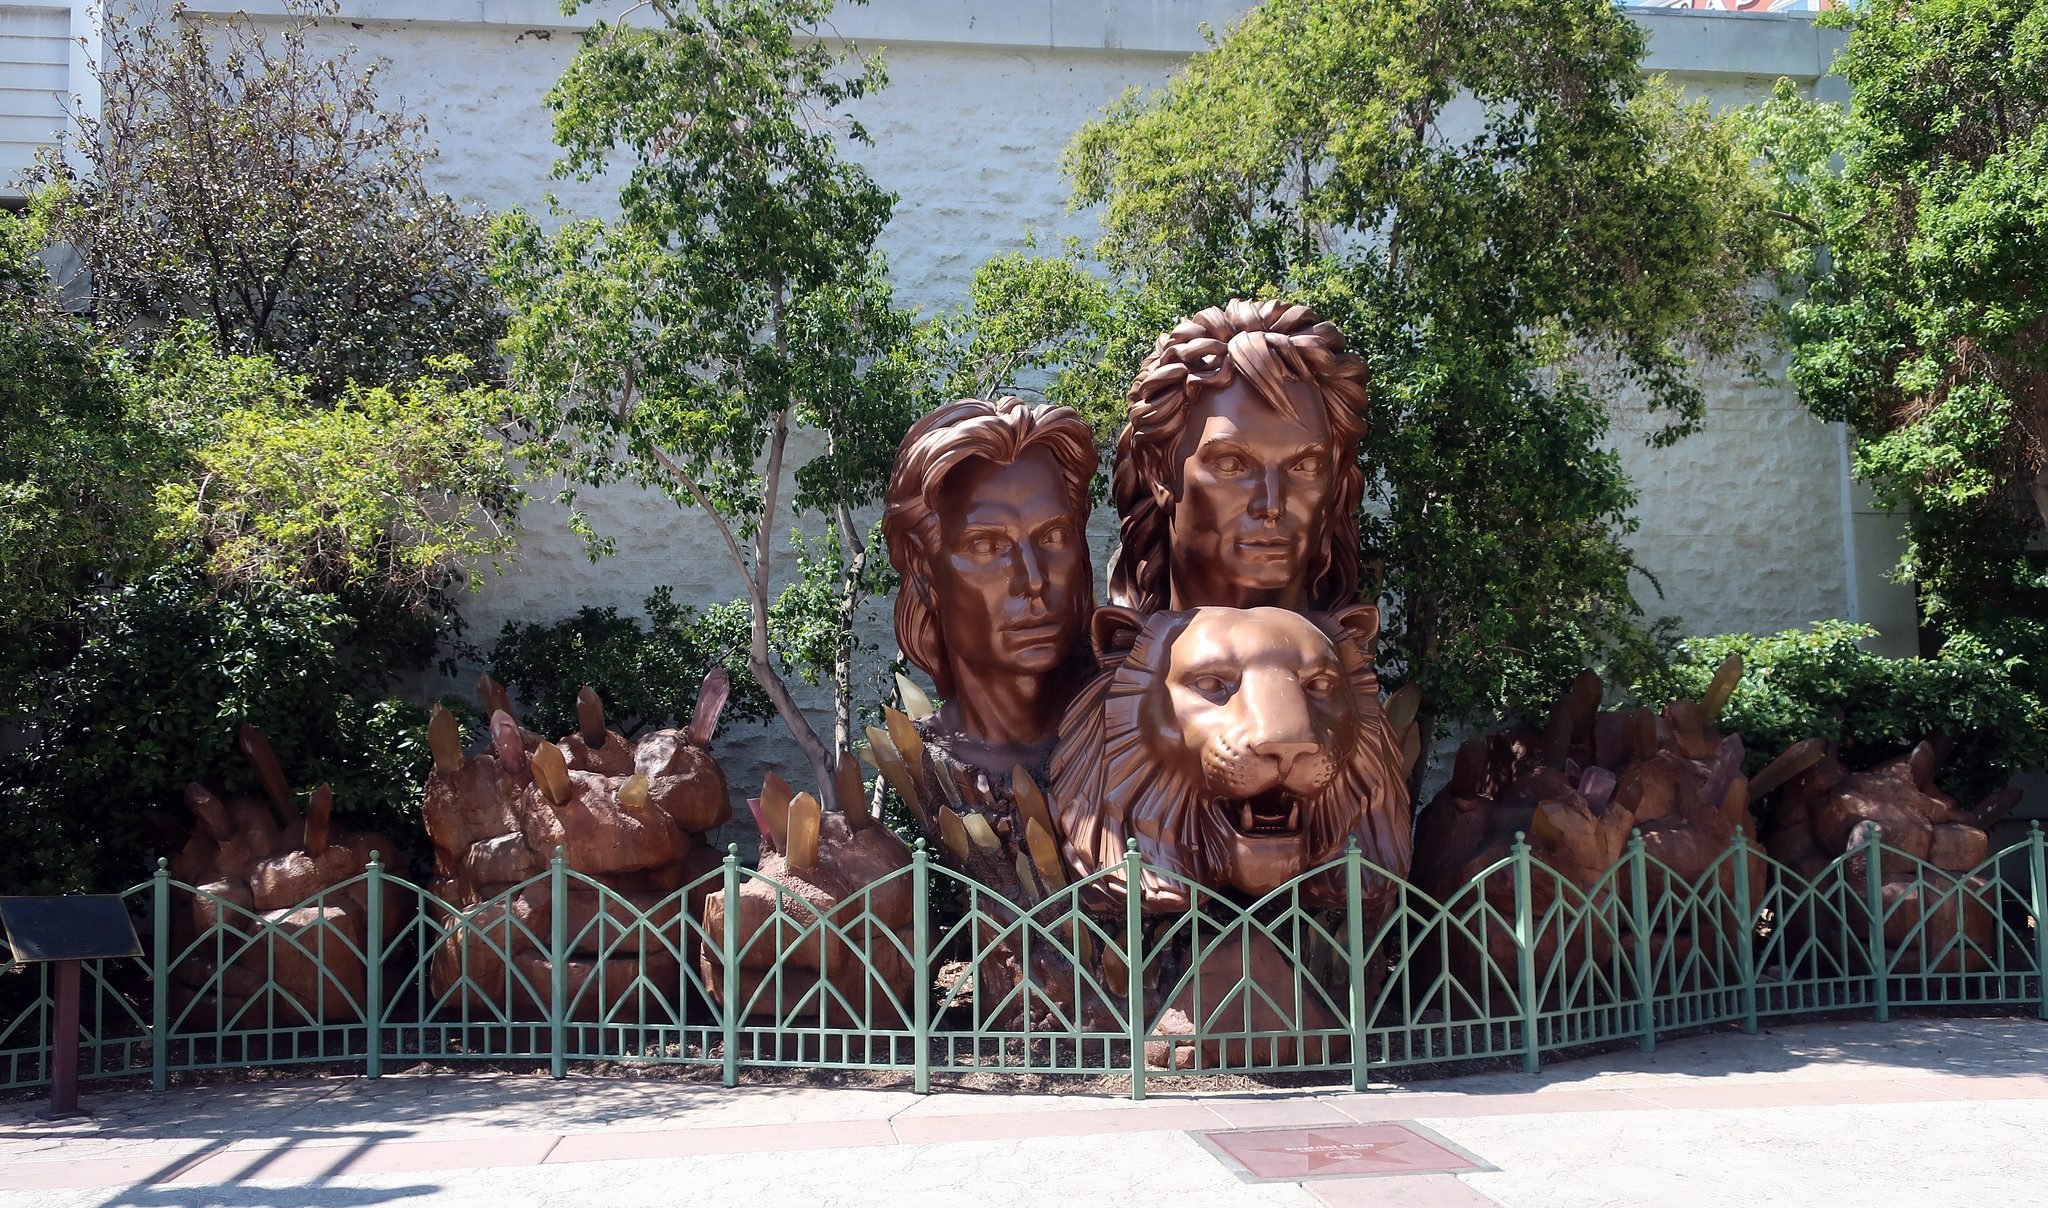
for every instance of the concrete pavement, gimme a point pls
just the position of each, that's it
(1920, 1113)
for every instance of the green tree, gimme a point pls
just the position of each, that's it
(735, 318)
(1517, 230)
(1919, 315)
(79, 463)
(241, 176)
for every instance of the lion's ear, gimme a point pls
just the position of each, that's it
(1113, 631)
(1359, 622)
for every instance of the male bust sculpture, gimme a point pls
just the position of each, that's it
(986, 521)
(1235, 475)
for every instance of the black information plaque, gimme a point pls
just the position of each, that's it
(74, 927)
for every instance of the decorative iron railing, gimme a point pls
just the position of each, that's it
(1517, 963)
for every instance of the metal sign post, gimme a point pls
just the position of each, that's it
(64, 931)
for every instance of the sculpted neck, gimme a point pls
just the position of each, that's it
(1005, 717)
(1196, 591)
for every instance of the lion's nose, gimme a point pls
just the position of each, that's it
(1284, 753)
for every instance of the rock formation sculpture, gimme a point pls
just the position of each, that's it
(630, 816)
(841, 868)
(1937, 914)
(1578, 790)
(308, 939)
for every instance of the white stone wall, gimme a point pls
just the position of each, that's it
(1744, 525)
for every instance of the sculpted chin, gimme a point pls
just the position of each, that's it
(1240, 747)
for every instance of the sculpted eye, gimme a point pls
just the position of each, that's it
(1215, 687)
(986, 546)
(1312, 464)
(1054, 537)
(1228, 464)
(1321, 684)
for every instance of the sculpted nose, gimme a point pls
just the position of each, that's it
(1284, 753)
(1029, 580)
(1266, 501)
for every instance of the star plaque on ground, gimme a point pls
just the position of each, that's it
(1271, 1155)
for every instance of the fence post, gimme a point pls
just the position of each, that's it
(920, 963)
(729, 966)
(558, 966)
(1354, 953)
(1745, 932)
(1639, 924)
(160, 975)
(1525, 953)
(2037, 856)
(373, 967)
(1873, 889)
(1134, 962)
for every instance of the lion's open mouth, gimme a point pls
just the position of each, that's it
(1273, 813)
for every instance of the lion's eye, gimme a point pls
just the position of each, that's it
(1215, 687)
(1309, 465)
(986, 546)
(1320, 685)
(1053, 538)
(1228, 464)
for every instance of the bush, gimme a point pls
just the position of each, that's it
(1818, 682)
(168, 671)
(647, 675)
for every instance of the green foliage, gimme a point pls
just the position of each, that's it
(395, 492)
(647, 675)
(737, 297)
(1517, 231)
(79, 458)
(168, 671)
(1819, 682)
(241, 175)
(1918, 315)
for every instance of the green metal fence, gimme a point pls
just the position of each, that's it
(1517, 963)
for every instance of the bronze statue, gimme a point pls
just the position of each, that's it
(1239, 747)
(986, 520)
(1236, 481)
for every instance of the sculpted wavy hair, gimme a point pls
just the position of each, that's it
(1270, 344)
(1002, 432)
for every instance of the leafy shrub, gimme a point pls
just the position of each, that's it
(1818, 682)
(169, 669)
(647, 675)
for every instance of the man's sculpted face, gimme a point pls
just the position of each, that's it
(1254, 488)
(1012, 568)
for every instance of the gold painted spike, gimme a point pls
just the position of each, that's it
(1027, 880)
(806, 816)
(1116, 976)
(1030, 799)
(1411, 745)
(551, 773)
(954, 832)
(1045, 854)
(633, 793)
(493, 696)
(256, 745)
(1402, 707)
(908, 744)
(773, 814)
(1782, 770)
(1722, 686)
(853, 794)
(981, 832)
(319, 812)
(590, 717)
(889, 762)
(444, 739)
(915, 702)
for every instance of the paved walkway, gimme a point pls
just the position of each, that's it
(1920, 1113)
